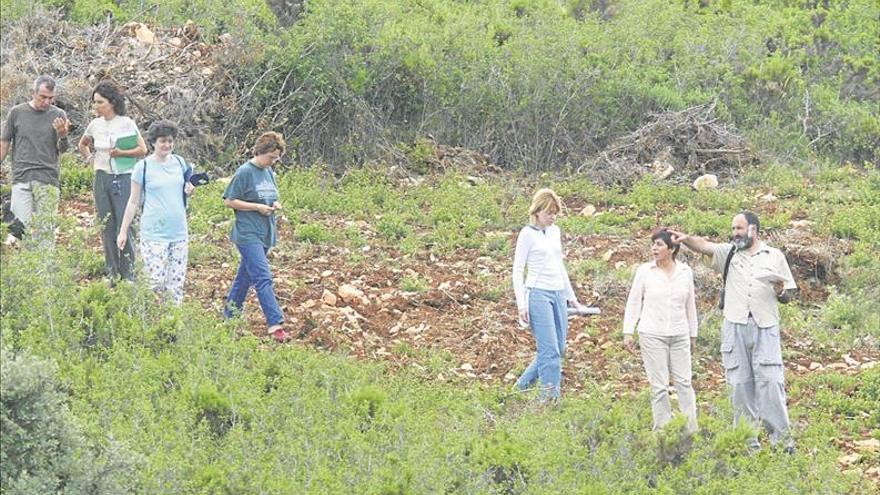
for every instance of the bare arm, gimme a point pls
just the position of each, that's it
(4, 149)
(138, 151)
(85, 147)
(694, 243)
(134, 199)
(237, 204)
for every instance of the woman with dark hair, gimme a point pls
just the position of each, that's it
(662, 307)
(112, 144)
(253, 195)
(162, 178)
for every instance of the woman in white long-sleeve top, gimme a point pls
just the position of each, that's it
(662, 307)
(541, 298)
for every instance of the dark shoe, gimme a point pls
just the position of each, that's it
(280, 336)
(790, 450)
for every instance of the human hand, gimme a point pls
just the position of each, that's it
(276, 205)
(629, 343)
(524, 316)
(265, 210)
(678, 237)
(62, 126)
(188, 188)
(114, 152)
(778, 287)
(121, 239)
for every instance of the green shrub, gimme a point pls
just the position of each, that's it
(413, 283)
(314, 233)
(76, 177)
(43, 450)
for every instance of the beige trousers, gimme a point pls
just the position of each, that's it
(662, 357)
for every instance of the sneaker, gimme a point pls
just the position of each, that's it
(280, 335)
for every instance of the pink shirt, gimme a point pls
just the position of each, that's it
(662, 305)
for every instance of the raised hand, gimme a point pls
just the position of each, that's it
(62, 126)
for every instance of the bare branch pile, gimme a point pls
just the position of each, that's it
(676, 145)
(169, 73)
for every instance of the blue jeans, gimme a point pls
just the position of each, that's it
(549, 322)
(253, 270)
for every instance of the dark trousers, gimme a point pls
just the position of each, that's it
(111, 197)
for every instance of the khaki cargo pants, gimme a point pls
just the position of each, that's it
(752, 359)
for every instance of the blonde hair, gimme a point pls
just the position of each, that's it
(269, 142)
(544, 200)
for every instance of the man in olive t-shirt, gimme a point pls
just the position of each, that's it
(37, 133)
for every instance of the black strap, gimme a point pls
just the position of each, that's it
(724, 275)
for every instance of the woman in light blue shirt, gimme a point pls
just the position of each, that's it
(162, 179)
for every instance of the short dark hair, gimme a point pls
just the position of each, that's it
(161, 128)
(666, 236)
(44, 80)
(114, 94)
(752, 219)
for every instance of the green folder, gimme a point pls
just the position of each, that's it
(123, 164)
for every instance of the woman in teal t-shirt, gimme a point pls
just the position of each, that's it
(253, 195)
(164, 240)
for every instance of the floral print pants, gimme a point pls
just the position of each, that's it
(165, 264)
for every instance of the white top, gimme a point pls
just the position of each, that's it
(105, 133)
(662, 305)
(748, 291)
(540, 251)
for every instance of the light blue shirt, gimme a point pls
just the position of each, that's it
(164, 215)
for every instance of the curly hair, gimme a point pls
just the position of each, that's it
(269, 142)
(161, 128)
(114, 94)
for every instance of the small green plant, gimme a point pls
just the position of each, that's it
(413, 283)
(314, 233)
(214, 408)
(76, 177)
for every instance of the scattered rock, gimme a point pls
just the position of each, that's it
(662, 169)
(706, 181)
(849, 459)
(801, 224)
(328, 298)
(869, 445)
(588, 211)
(144, 35)
(351, 294)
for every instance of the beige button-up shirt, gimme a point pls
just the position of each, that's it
(746, 294)
(661, 305)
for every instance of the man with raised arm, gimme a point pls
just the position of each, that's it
(36, 132)
(757, 279)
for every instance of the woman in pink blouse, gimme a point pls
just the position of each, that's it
(662, 307)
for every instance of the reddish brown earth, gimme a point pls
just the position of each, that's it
(463, 326)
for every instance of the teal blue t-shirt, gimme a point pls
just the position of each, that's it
(254, 185)
(164, 215)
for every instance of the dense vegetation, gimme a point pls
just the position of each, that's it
(175, 401)
(106, 392)
(539, 83)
